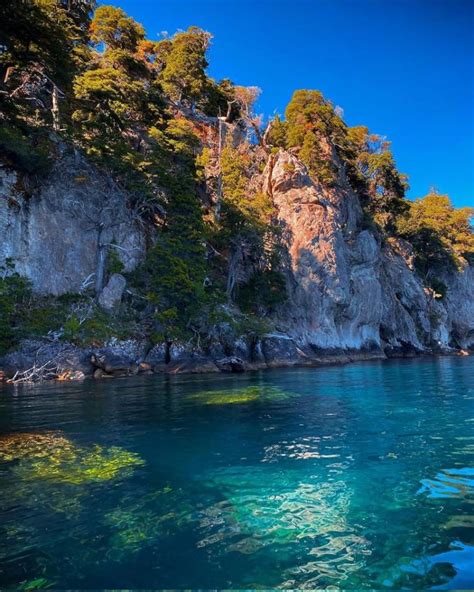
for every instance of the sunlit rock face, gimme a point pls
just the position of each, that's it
(347, 291)
(51, 229)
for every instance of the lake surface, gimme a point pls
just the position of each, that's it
(359, 476)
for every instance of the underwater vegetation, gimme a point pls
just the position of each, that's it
(134, 524)
(249, 394)
(52, 456)
(52, 475)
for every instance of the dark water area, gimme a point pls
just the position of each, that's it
(359, 476)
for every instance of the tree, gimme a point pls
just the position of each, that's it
(173, 275)
(183, 76)
(314, 128)
(276, 134)
(112, 27)
(43, 46)
(373, 173)
(441, 234)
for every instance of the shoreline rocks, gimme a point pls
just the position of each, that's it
(66, 361)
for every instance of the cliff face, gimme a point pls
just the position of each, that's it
(349, 292)
(54, 234)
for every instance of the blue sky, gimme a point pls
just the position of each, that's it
(404, 68)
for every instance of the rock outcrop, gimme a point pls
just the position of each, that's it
(347, 291)
(53, 231)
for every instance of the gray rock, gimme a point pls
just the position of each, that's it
(65, 356)
(156, 355)
(52, 234)
(231, 364)
(280, 350)
(197, 365)
(111, 295)
(113, 362)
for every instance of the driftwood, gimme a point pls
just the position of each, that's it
(47, 371)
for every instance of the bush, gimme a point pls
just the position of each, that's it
(15, 296)
(263, 292)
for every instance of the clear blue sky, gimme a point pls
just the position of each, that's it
(404, 68)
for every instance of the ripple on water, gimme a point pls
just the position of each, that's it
(277, 510)
(450, 483)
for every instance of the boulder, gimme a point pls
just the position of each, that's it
(279, 350)
(111, 295)
(231, 364)
(115, 363)
(64, 356)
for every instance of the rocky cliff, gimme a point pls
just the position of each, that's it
(350, 290)
(53, 229)
(351, 293)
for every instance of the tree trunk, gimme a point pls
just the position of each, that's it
(101, 261)
(219, 176)
(55, 108)
(234, 262)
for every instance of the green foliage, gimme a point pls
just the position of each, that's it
(97, 327)
(174, 272)
(183, 77)
(307, 111)
(313, 126)
(242, 207)
(373, 173)
(216, 97)
(277, 135)
(441, 235)
(15, 296)
(115, 29)
(44, 45)
(114, 264)
(263, 292)
(320, 166)
(26, 153)
(175, 286)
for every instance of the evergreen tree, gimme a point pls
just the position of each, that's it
(183, 77)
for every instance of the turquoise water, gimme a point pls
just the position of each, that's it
(353, 477)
